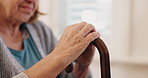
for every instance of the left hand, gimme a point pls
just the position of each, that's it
(86, 57)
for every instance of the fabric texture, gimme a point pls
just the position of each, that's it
(21, 75)
(45, 42)
(29, 55)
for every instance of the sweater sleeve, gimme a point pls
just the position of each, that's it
(20, 75)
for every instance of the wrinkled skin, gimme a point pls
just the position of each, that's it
(86, 57)
(12, 14)
(77, 39)
(17, 10)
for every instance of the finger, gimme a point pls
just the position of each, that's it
(87, 29)
(92, 36)
(80, 25)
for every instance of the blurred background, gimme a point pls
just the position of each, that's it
(123, 25)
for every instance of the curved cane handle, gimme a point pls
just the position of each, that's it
(69, 68)
(104, 59)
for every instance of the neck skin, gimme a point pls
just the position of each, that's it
(8, 27)
(11, 34)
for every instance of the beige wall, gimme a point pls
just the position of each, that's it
(139, 33)
(128, 42)
(45, 7)
(50, 8)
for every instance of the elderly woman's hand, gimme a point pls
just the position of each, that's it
(83, 61)
(72, 44)
(86, 57)
(81, 67)
(75, 40)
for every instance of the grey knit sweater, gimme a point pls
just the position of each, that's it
(45, 42)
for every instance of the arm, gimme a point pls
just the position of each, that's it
(71, 45)
(46, 69)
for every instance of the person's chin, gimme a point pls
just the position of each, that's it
(23, 19)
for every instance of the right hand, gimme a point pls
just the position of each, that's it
(75, 40)
(71, 45)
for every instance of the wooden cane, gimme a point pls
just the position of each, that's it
(104, 59)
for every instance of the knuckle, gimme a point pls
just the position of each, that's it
(73, 32)
(94, 35)
(79, 39)
(90, 26)
(88, 40)
(83, 42)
